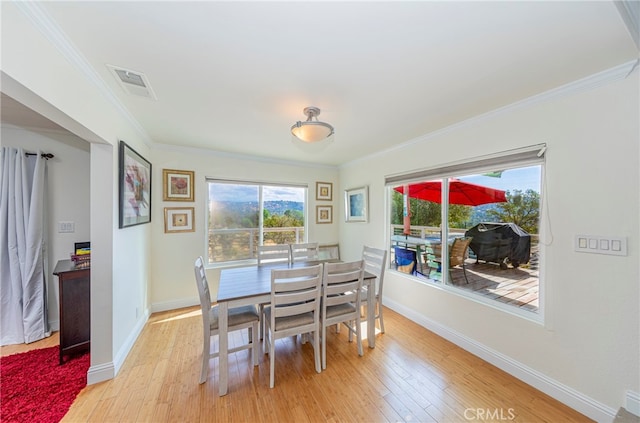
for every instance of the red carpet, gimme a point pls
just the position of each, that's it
(35, 388)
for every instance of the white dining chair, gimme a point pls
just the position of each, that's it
(375, 261)
(294, 310)
(240, 318)
(270, 254)
(309, 251)
(341, 286)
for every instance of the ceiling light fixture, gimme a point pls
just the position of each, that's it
(312, 130)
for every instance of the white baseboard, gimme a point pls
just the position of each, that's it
(100, 373)
(632, 402)
(107, 371)
(54, 325)
(565, 394)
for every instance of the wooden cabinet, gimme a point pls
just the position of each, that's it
(74, 289)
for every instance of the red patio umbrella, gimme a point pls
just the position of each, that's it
(460, 192)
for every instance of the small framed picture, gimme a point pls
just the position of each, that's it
(177, 185)
(324, 191)
(178, 219)
(324, 214)
(356, 203)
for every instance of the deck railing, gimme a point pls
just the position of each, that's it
(240, 243)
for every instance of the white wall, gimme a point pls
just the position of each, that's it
(68, 195)
(41, 71)
(173, 254)
(588, 347)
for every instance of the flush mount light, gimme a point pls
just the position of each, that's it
(312, 130)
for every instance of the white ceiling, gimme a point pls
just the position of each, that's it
(234, 76)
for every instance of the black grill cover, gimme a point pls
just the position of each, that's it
(495, 242)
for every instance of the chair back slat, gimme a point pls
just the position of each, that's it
(295, 291)
(279, 253)
(375, 260)
(341, 283)
(309, 251)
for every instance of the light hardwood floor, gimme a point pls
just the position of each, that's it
(412, 375)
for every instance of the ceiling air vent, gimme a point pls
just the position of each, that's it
(132, 82)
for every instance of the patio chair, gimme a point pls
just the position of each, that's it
(405, 260)
(457, 256)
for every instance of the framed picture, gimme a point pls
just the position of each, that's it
(324, 191)
(135, 187)
(356, 202)
(178, 219)
(324, 214)
(177, 185)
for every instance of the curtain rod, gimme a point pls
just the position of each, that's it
(43, 155)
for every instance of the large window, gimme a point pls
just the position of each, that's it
(243, 215)
(488, 244)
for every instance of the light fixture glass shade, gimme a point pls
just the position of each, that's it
(312, 130)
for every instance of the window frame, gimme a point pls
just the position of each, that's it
(513, 159)
(260, 185)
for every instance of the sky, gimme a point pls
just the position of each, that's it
(523, 178)
(240, 193)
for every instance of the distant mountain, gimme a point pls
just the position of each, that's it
(274, 207)
(281, 206)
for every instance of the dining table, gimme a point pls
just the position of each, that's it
(251, 285)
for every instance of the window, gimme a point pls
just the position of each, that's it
(488, 244)
(243, 215)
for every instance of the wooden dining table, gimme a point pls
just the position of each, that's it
(249, 285)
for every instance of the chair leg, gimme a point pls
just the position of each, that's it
(316, 352)
(255, 342)
(359, 337)
(464, 272)
(272, 362)
(205, 357)
(379, 316)
(324, 347)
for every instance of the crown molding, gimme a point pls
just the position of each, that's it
(52, 32)
(588, 83)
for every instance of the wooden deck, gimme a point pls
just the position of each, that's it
(514, 286)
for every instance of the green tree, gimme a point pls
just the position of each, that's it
(521, 208)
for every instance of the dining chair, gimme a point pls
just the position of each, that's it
(278, 253)
(294, 310)
(305, 252)
(375, 260)
(457, 256)
(341, 286)
(239, 318)
(271, 254)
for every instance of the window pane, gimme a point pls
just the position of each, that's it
(234, 210)
(283, 215)
(243, 216)
(498, 214)
(490, 241)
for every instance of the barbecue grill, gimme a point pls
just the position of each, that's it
(500, 243)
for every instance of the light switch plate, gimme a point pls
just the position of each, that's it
(616, 246)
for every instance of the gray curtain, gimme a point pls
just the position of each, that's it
(23, 288)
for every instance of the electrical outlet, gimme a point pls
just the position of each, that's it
(66, 227)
